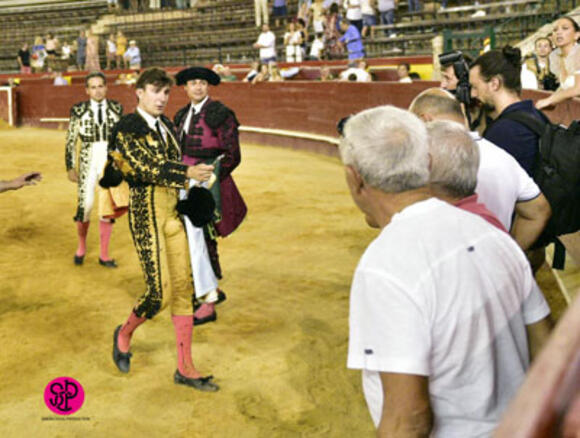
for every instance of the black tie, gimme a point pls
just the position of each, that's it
(158, 127)
(100, 115)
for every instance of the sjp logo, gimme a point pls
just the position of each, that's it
(64, 395)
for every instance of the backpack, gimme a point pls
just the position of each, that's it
(557, 173)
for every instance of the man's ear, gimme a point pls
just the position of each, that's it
(353, 179)
(495, 83)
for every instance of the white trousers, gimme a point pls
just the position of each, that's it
(261, 11)
(97, 162)
(204, 278)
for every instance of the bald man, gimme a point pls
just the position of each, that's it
(502, 184)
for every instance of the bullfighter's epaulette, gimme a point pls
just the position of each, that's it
(79, 109)
(116, 107)
(217, 113)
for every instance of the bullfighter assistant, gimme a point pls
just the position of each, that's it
(92, 122)
(207, 129)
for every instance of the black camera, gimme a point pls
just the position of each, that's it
(550, 82)
(461, 70)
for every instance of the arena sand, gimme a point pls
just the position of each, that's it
(278, 349)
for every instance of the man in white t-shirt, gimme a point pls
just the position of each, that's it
(502, 184)
(266, 42)
(442, 303)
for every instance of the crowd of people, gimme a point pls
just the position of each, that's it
(49, 54)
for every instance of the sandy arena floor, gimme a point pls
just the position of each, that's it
(278, 349)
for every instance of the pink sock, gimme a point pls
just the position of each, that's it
(183, 334)
(204, 310)
(105, 230)
(82, 231)
(124, 340)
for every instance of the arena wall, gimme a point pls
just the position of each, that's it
(295, 106)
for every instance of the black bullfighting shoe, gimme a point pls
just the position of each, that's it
(122, 360)
(108, 263)
(78, 260)
(204, 314)
(201, 384)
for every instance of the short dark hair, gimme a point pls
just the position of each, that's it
(542, 38)
(505, 63)
(154, 76)
(95, 74)
(405, 64)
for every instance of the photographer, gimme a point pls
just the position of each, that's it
(539, 64)
(455, 79)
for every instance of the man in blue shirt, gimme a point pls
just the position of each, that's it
(352, 39)
(495, 81)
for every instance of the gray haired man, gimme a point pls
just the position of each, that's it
(441, 302)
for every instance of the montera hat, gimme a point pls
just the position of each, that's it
(192, 73)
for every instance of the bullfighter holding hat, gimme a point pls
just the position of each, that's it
(208, 133)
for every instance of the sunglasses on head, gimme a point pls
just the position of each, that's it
(340, 125)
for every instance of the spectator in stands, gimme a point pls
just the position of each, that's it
(292, 43)
(38, 54)
(502, 184)
(387, 14)
(564, 62)
(28, 179)
(369, 17)
(301, 28)
(112, 5)
(81, 50)
(133, 56)
(65, 51)
(356, 70)
(495, 81)
(332, 34)
(23, 59)
(275, 75)
(325, 74)
(111, 51)
(224, 73)
(414, 5)
(121, 49)
(317, 9)
(252, 73)
(444, 342)
(279, 11)
(317, 48)
(352, 39)
(354, 13)
(59, 80)
(92, 61)
(453, 173)
(403, 73)
(51, 46)
(266, 42)
(304, 11)
(154, 4)
(539, 61)
(261, 12)
(263, 75)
